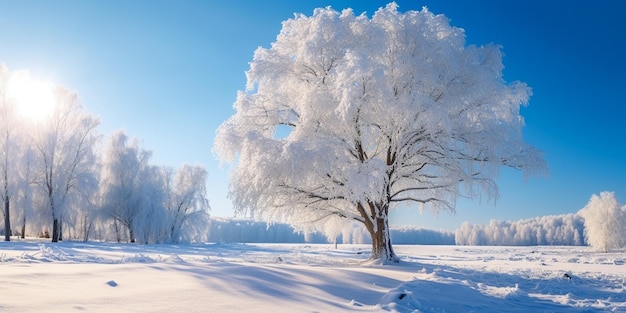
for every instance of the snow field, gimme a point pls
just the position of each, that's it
(72, 276)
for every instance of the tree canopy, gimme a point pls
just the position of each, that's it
(385, 110)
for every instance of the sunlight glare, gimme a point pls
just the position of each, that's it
(34, 98)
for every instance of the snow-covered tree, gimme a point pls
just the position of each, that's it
(381, 111)
(124, 168)
(147, 203)
(186, 199)
(64, 144)
(605, 222)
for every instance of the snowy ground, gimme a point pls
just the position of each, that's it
(66, 277)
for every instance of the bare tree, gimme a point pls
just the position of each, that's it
(382, 111)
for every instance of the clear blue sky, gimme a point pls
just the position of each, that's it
(168, 71)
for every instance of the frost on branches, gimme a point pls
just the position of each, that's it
(382, 111)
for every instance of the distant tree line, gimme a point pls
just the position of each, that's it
(226, 230)
(565, 230)
(58, 180)
(601, 224)
(596, 225)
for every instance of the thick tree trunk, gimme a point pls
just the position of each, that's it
(377, 224)
(7, 220)
(381, 242)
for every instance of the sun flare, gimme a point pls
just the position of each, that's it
(34, 98)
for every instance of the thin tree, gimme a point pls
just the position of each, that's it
(12, 142)
(26, 186)
(7, 143)
(380, 111)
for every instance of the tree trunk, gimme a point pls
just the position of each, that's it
(131, 234)
(60, 232)
(24, 226)
(55, 229)
(378, 227)
(381, 242)
(7, 220)
(117, 232)
(87, 223)
(376, 221)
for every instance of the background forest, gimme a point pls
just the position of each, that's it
(61, 179)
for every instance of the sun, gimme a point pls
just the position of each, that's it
(34, 99)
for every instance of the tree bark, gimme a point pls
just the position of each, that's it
(55, 229)
(131, 235)
(382, 250)
(7, 220)
(60, 231)
(24, 226)
(381, 243)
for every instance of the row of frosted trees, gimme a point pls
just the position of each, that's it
(58, 179)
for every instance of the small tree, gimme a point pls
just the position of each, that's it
(605, 222)
(125, 175)
(186, 199)
(382, 111)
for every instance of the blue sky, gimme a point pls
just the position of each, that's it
(167, 72)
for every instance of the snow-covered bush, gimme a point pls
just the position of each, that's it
(605, 222)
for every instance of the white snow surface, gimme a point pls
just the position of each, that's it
(94, 277)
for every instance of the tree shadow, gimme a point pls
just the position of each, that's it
(302, 287)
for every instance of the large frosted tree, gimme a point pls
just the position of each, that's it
(348, 117)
